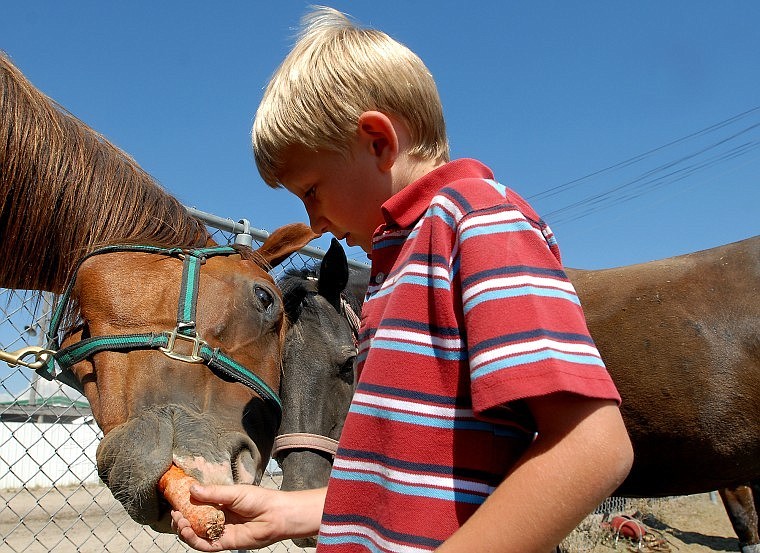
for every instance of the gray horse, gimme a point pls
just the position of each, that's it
(318, 368)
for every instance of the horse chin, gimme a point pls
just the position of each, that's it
(131, 467)
(163, 525)
(304, 470)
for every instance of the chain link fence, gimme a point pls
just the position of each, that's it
(50, 495)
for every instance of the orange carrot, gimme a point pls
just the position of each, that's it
(206, 521)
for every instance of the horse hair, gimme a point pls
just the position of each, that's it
(66, 190)
(299, 285)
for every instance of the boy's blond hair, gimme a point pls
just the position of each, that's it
(335, 72)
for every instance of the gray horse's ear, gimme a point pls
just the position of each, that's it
(333, 274)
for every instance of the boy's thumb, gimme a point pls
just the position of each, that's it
(213, 493)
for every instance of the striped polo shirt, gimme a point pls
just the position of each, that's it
(468, 312)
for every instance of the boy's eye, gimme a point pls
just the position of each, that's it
(310, 192)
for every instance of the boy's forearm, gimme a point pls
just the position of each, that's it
(302, 512)
(551, 490)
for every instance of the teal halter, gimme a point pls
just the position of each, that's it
(163, 341)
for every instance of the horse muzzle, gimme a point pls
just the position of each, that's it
(132, 457)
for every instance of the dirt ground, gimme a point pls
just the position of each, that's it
(88, 519)
(689, 524)
(84, 519)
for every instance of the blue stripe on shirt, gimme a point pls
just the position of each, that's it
(420, 420)
(408, 489)
(419, 349)
(516, 226)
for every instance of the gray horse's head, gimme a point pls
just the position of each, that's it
(318, 368)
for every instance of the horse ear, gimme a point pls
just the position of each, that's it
(284, 241)
(333, 274)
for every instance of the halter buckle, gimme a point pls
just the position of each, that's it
(193, 357)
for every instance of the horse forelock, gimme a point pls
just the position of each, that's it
(298, 285)
(66, 190)
(302, 283)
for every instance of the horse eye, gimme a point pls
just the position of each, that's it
(348, 366)
(346, 372)
(264, 296)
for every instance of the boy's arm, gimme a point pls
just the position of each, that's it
(581, 455)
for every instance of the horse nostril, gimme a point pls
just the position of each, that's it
(246, 465)
(264, 296)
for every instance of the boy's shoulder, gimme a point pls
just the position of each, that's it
(475, 193)
(471, 196)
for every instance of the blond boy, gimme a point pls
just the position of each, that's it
(484, 418)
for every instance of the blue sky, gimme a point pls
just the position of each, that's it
(545, 93)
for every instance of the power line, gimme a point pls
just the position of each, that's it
(664, 174)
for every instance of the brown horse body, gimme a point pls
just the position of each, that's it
(64, 191)
(681, 339)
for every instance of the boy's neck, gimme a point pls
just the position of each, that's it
(408, 169)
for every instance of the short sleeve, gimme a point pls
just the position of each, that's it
(525, 329)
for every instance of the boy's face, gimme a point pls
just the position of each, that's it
(342, 194)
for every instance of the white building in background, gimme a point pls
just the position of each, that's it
(49, 439)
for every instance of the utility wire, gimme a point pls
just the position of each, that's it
(553, 191)
(667, 173)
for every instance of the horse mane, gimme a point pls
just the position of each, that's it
(65, 190)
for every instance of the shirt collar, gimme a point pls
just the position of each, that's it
(404, 209)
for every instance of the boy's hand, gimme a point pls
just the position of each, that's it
(247, 508)
(255, 516)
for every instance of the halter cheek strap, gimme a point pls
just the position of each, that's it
(165, 341)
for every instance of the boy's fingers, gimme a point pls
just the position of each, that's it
(178, 521)
(186, 533)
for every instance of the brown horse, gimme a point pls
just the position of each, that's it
(176, 344)
(681, 339)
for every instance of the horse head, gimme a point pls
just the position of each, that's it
(175, 342)
(190, 385)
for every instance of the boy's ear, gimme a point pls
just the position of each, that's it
(376, 132)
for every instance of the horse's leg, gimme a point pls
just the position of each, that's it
(740, 506)
(755, 490)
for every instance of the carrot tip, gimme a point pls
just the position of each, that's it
(207, 521)
(215, 528)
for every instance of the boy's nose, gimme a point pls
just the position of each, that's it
(318, 223)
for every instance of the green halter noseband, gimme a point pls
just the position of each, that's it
(163, 341)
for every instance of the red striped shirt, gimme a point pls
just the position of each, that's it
(468, 312)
